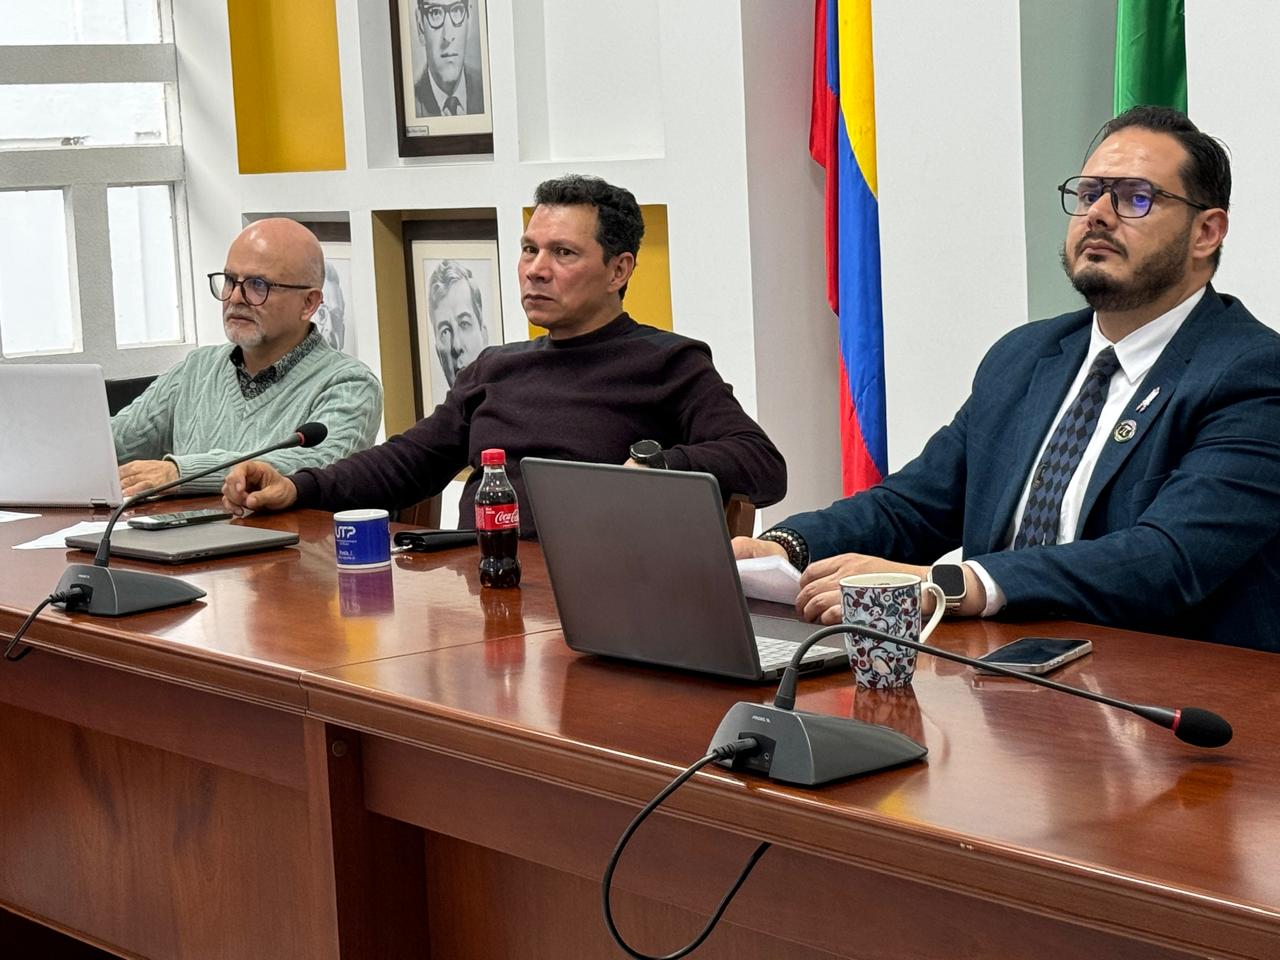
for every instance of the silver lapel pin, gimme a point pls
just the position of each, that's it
(1146, 401)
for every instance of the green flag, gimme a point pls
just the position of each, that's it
(1151, 54)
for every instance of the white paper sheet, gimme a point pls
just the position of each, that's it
(8, 516)
(57, 539)
(769, 578)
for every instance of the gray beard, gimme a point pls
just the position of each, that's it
(246, 341)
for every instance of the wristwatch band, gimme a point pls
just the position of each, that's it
(956, 572)
(792, 542)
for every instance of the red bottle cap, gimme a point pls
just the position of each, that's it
(493, 458)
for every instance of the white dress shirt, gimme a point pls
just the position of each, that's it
(1137, 354)
(460, 91)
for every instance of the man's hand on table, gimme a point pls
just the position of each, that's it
(139, 475)
(257, 486)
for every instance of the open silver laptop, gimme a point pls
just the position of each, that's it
(56, 430)
(642, 568)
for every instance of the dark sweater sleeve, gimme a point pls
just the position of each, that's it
(407, 468)
(720, 439)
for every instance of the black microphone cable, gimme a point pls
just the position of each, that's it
(59, 597)
(743, 747)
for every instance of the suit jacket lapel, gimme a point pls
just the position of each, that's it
(1033, 419)
(1165, 374)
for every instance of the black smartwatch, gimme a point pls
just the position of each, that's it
(950, 577)
(648, 453)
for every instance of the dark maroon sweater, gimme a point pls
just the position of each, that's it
(586, 398)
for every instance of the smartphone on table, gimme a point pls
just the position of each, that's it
(184, 518)
(1038, 655)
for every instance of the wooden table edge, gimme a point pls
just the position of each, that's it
(96, 642)
(1062, 889)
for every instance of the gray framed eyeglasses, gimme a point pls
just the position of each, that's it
(1131, 197)
(255, 289)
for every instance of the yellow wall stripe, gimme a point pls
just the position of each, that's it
(399, 410)
(288, 95)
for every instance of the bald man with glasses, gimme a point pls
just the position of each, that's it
(1118, 465)
(276, 372)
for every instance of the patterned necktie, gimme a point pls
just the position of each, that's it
(1062, 455)
(452, 106)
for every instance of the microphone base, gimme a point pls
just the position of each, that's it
(809, 749)
(117, 593)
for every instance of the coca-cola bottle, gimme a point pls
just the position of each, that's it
(497, 523)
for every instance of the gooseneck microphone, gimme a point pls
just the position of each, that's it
(1194, 725)
(307, 435)
(100, 591)
(809, 748)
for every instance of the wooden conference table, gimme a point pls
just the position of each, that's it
(310, 764)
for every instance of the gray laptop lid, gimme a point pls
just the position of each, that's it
(56, 432)
(641, 565)
(184, 544)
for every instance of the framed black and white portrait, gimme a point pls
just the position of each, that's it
(335, 318)
(441, 62)
(456, 310)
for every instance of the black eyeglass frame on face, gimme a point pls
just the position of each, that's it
(223, 287)
(433, 13)
(1070, 188)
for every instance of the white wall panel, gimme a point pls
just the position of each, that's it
(1233, 87)
(949, 126)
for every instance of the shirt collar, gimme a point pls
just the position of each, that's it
(282, 366)
(1138, 352)
(460, 91)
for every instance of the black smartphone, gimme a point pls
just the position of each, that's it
(427, 541)
(1038, 654)
(185, 518)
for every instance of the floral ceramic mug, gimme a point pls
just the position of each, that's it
(890, 603)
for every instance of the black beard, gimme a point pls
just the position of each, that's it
(1151, 279)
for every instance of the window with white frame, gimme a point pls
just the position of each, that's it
(94, 262)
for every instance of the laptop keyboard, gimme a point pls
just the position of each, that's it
(778, 653)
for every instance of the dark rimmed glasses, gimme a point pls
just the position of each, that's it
(1131, 197)
(254, 289)
(434, 13)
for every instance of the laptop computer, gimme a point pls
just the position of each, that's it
(185, 544)
(57, 437)
(642, 569)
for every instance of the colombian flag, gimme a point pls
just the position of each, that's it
(842, 138)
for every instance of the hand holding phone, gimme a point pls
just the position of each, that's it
(184, 518)
(1037, 655)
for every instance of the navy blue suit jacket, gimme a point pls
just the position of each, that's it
(1180, 527)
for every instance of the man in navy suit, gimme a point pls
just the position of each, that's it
(448, 86)
(1118, 465)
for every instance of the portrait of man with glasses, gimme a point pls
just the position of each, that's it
(277, 370)
(1117, 465)
(445, 53)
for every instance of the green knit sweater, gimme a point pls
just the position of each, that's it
(195, 414)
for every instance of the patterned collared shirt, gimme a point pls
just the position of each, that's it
(256, 385)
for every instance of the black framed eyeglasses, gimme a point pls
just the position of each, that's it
(255, 289)
(434, 13)
(1131, 197)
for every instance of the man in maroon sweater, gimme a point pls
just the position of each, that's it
(596, 384)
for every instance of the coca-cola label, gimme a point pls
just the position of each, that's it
(501, 516)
